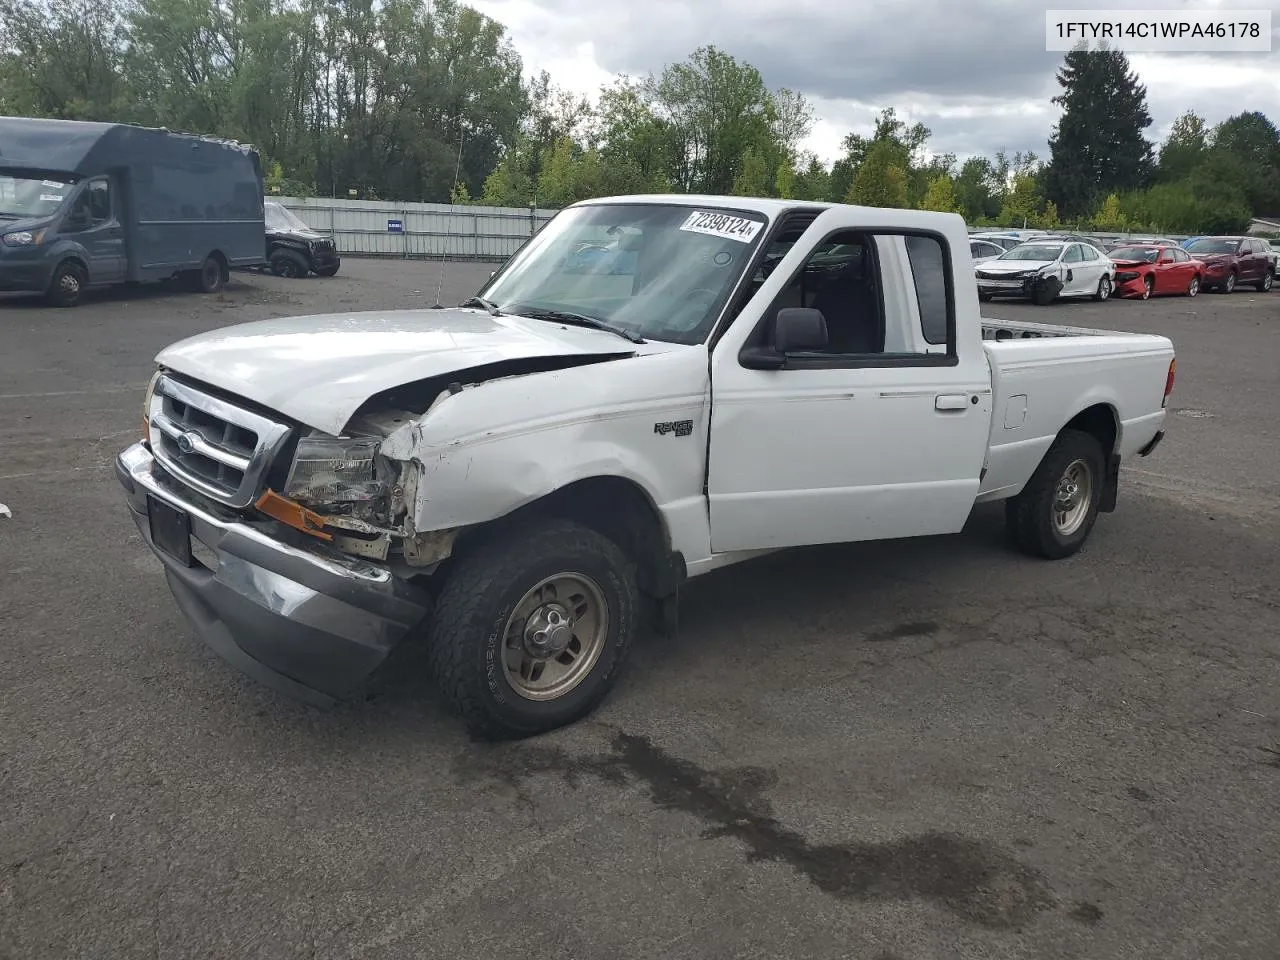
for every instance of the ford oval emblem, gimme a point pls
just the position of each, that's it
(187, 441)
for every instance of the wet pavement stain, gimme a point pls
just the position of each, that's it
(903, 631)
(973, 879)
(1090, 914)
(1137, 793)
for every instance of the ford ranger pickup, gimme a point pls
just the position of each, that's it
(651, 388)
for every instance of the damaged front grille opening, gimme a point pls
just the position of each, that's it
(223, 437)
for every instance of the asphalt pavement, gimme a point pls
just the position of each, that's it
(920, 750)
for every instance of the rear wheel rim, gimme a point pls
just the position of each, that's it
(1072, 498)
(1194, 288)
(1104, 288)
(1266, 283)
(554, 636)
(1231, 283)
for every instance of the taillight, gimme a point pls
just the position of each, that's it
(1168, 381)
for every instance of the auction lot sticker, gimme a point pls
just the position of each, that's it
(722, 225)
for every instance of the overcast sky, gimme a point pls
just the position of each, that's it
(974, 71)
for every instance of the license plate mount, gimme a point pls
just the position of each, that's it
(170, 530)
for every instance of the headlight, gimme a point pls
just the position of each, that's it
(23, 238)
(335, 470)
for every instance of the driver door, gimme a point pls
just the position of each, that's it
(882, 432)
(95, 222)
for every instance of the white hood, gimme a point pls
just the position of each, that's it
(1014, 266)
(319, 370)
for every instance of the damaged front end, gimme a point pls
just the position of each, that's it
(343, 490)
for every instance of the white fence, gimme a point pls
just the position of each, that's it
(376, 228)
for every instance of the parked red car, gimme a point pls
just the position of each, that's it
(1145, 270)
(1230, 261)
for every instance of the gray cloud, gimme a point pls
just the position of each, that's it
(975, 72)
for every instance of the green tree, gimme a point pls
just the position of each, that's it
(1255, 143)
(813, 180)
(1098, 145)
(753, 176)
(64, 59)
(1109, 216)
(1184, 148)
(785, 180)
(941, 196)
(880, 181)
(976, 190)
(1023, 201)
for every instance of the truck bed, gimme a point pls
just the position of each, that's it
(1039, 371)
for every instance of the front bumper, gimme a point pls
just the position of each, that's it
(31, 276)
(311, 625)
(1020, 287)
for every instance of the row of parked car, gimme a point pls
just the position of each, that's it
(1052, 266)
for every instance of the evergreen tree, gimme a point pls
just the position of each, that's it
(1098, 146)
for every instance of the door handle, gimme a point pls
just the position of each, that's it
(951, 401)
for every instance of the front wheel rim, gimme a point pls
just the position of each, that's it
(1146, 289)
(554, 636)
(1072, 498)
(70, 283)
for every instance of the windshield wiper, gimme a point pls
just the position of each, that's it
(482, 302)
(577, 319)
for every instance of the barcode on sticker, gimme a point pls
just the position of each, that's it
(723, 225)
(51, 197)
(52, 183)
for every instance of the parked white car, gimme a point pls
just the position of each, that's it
(1044, 270)
(981, 250)
(515, 481)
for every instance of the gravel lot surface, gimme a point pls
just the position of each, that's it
(906, 751)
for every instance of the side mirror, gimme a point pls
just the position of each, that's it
(795, 330)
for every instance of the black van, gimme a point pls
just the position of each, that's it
(91, 204)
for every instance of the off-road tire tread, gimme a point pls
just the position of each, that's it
(464, 610)
(1027, 514)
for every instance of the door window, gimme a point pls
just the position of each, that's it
(880, 295)
(1075, 253)
(93, 206)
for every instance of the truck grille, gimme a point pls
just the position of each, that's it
(216, 447)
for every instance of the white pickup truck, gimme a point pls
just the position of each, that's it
(651, 388)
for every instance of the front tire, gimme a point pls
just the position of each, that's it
(1148, 287)
(1054, 514)
(288, 263)
(1264, 285)
(67, 285)
(531, 629)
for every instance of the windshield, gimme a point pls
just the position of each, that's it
(1034, 251)
(1145, 254)
(1213, 245)
(23, 197)
(280, 218)
(657, 271)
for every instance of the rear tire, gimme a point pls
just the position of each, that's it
(67, 285)
(1230, 285)
(208, 279)
(506, 596)
(1054, 514)
(1265, 284)
(1193, 288)
(1104, 290)
(289, 264)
